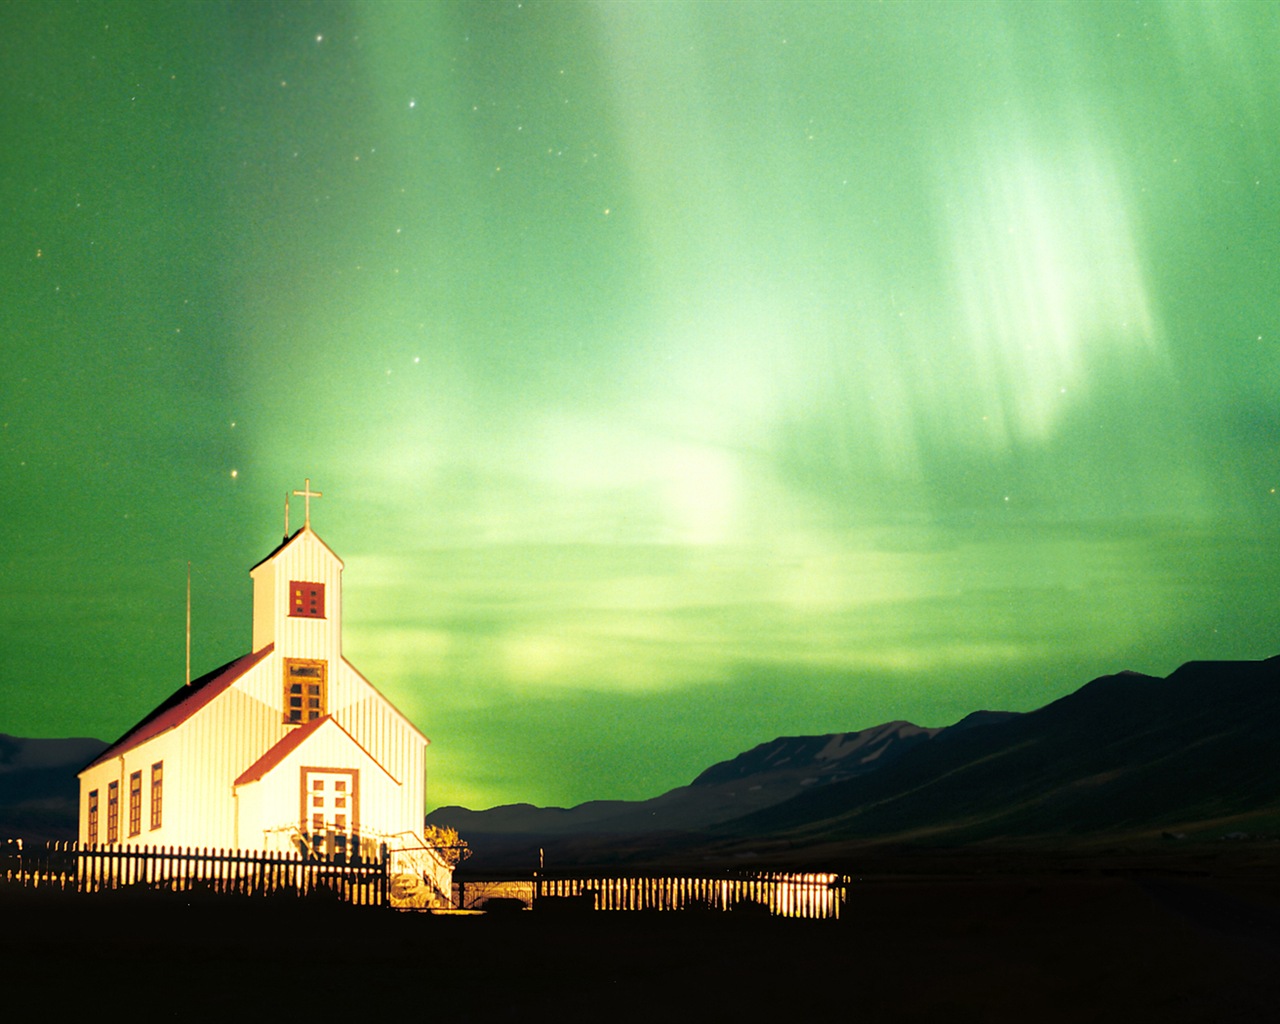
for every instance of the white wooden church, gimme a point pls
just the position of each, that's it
(286, 748)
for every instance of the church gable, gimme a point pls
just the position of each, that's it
(298, 691)
(317, 782)
(325, 742)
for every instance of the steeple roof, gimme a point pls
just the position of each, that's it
(289, 540)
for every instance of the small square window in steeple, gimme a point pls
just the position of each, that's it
(306, 600)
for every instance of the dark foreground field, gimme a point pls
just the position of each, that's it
(1092, 943)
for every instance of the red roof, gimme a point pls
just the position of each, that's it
(274, 755)
(182, 705)
(291, 742)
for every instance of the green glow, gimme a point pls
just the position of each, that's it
(676, 376)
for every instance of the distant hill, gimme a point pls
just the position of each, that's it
(765, 776)
(39, 791)
(1125, 755)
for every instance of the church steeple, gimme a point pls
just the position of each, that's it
(297, 595)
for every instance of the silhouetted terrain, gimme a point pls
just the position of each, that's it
(1023, 947)
(1127, 755)
(1124, 754)
(39, 790)
(766, 775)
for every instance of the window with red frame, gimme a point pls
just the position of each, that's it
(113, 811)
(306, 600)
(135, 803)
(157, 794)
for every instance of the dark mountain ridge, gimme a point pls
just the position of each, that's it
(39, 791)
(1126, 754)
(764, 776)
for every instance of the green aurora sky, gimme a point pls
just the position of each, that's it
(677, 375)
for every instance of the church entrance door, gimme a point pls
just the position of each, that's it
(331, 807)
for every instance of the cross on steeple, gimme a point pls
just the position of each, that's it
(307, 494)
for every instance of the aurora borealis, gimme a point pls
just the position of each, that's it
(677, 375)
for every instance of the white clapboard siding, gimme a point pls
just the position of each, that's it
(276, 793)
(306, 557)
